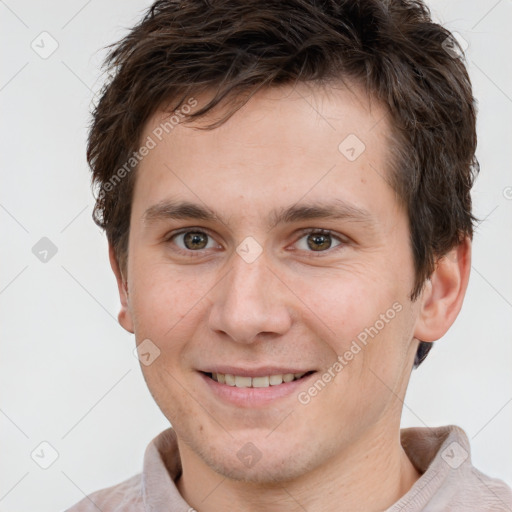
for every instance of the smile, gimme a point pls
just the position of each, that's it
(241, 381)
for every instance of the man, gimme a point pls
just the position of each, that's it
(285, 187)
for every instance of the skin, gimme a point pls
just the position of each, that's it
(292, 306)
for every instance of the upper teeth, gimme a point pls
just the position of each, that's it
(255, 382)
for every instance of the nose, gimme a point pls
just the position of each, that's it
(251, 302)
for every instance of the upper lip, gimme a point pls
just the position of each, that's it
(261, 371)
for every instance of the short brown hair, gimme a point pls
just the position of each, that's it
(182, 48)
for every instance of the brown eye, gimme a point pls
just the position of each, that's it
(195, 240)
(319, 241)
(192, 241)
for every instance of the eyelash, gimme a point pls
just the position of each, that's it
(303, 233)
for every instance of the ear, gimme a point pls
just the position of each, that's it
(124, 316)
(444, 293)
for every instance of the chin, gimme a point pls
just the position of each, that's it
(263, 462)
(270, 472)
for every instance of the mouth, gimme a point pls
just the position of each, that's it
(265, 381)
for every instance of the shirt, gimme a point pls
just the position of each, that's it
(448, 481)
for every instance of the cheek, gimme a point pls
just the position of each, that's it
(163, 303)
(365, 318)
(165, 311)
(349, 301)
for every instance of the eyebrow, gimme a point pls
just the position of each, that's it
(336, 209)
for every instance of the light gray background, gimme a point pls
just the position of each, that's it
(67, 371)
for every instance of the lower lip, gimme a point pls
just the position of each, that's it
(254, 397)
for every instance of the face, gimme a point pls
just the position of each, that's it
(257, 282)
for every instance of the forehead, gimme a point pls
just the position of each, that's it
(285, 144)
(337, 108)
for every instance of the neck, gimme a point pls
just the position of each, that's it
(370, 475)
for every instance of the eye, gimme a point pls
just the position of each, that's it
(192, 240)
(318, 240)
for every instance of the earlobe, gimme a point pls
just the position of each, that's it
(124, 317)
(443, 295)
